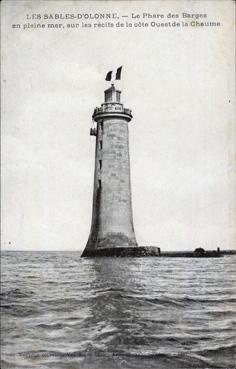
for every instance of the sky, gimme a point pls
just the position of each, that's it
(179, 83)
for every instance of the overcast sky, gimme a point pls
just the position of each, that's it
(179, 84)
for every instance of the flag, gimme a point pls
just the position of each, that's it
(118, 73)
(108, 76)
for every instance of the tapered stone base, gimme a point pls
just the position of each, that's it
(122, 251)
(110, 240)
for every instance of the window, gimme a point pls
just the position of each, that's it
(102, 126)
(100, 145)
(108, 96)
(99, 184)
(100, 164)
(117, 95)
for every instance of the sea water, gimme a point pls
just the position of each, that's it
(63, 311)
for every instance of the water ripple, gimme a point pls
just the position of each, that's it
(60, 311)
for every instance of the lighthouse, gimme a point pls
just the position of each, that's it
(112, 226)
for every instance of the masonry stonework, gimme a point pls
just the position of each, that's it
(112, 219)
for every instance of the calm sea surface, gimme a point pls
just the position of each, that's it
(61, 311)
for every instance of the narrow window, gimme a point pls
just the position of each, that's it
(100, 164)
(100, 145)
(99, 184)
(102, 126)
(117, 96)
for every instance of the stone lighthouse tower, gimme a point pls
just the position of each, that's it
(112, 220)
